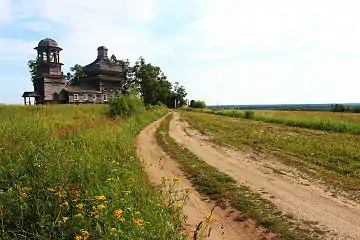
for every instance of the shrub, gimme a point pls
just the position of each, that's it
(125, 105)
(338, 108)
(197, 104)
(249, 114)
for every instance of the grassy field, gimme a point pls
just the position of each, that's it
(335, 157)
(327, 121)
(223, 189)
(70, 172)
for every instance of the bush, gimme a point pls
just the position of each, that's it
(249, 114)
(197, 104)
(338, 108)
(125, 105)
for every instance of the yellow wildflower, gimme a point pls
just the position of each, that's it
(65, 219)
(79, 216)
(80, 206)
(141, 220)
(177, 180)
(137, 213)
(112, 231)
(126, 192)
(10, 190)
(100, 198)
(99, 207)
(51, 189)
(27, 189)
(122, 219)
(138, 222)
(66, 204)
(210, 218)
(163, 178)
(96, 216)
(78, 238)
(85, 234)
(188, 190)
(118, 213)
(179, 205)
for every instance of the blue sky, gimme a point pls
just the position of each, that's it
(231, 51)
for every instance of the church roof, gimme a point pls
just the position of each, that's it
(102, 64)
(81, 89)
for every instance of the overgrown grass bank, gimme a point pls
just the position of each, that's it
(223, 189)
(326, 121)
(334, 157)
(70, 172)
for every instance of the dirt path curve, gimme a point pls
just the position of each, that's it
(157, 164)
(289, 192)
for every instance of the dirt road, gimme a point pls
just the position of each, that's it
(158, 164)
(285, 187)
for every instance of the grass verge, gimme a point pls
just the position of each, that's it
(69, 172)
(326, 121)
(331, 157)
(223, 189)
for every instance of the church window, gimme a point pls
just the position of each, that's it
(85, 97)
(76, 97)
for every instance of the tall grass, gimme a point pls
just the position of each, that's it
(332, 122)
(70, 172)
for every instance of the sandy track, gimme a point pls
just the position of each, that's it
(288, 191)
(157, 164)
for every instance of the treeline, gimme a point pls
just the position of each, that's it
(343, 108)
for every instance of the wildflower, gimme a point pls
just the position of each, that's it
(179, 205)
(131, 179)
(99, 207)
(210, 218)
(126, 192)
(66, 204)
(27, 189)
(78, 237)
(100, 198)
(138, 222)
(51, 189)
(118, 213)
(112, 231)
(10, 190)
(79, 216)
(85, 234)
(80, 206)
(188, 190)
(131, 157)
(163, 178)
(65, 219)
(109, 179)
(96, 216)
(137, 213)
(122, 219)
(177, 180)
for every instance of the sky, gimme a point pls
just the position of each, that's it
(225, 52)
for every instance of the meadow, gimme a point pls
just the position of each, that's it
(326, 121)
(70, 172)
(329, 156)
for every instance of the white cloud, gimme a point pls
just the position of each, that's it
(5, 11)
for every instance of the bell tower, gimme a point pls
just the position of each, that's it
(49, 80)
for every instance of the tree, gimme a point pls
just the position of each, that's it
(180, 93)
(76, 73)
(32, 64)
(153, 84)
(197, 104)
(127, 74)
(338, 108)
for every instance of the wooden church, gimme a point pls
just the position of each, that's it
(103, 79)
